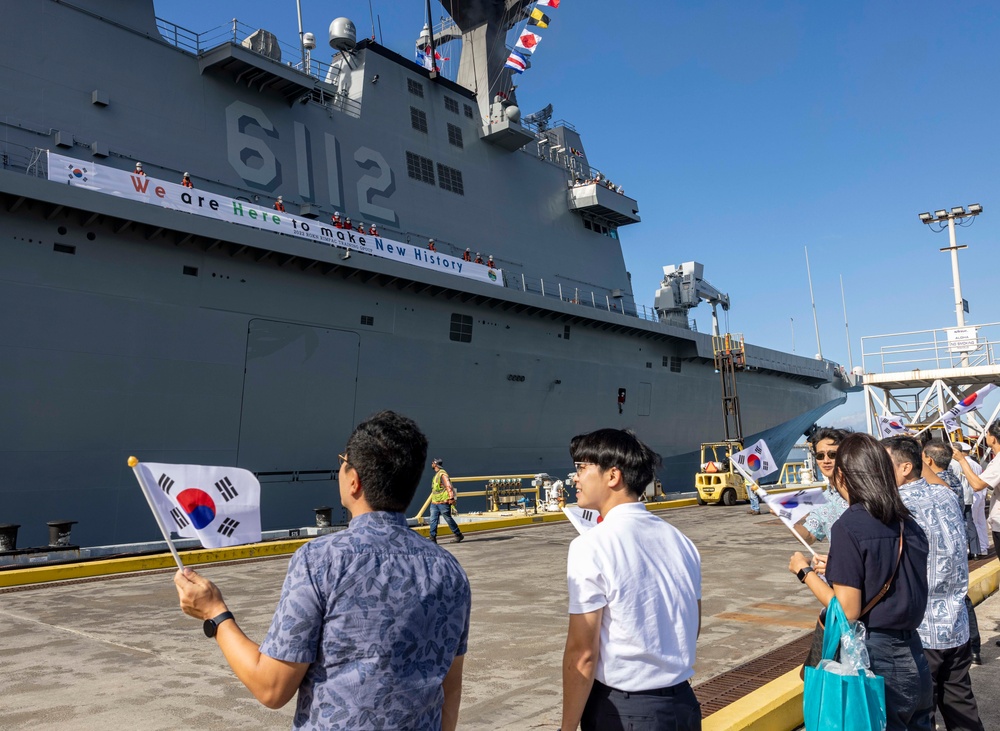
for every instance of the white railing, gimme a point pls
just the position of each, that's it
(927, 349)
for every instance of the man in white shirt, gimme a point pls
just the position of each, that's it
(634, 599)
(990, 477)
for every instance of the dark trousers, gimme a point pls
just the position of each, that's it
(442, 510)
(953, 688)
(973, 535)
(665, 709)
(899, 657)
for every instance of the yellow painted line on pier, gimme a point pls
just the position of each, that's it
(109, 566)
(777, 706)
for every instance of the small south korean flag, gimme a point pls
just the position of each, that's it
(756, 460)
(583, 519)
(220, 506)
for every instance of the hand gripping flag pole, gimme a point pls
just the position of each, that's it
(752, 485)
(134, 464)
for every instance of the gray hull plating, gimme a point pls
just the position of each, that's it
(128, 329)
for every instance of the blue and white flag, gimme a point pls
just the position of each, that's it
(791, 507)
(220, 506)
(517, 62)
(969, 403)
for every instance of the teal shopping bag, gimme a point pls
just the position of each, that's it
(833, 702)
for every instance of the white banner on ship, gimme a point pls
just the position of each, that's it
(202, 203)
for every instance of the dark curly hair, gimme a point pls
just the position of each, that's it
(389, 452)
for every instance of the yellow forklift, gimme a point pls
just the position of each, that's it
(717, 481)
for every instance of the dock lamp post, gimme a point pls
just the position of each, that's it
(959, 214)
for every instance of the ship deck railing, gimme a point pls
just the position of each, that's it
(934, 349)
(33, 161)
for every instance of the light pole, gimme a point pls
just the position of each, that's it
(958, 213)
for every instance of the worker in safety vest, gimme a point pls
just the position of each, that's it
(186, 181)
(279, 205)
(372, 231)
(479, 258)
(336, 220)
(467, 256)
(442, 498)
(489, 262)
(138, 169)
(430, 245)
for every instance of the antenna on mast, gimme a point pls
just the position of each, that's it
(850, 357)
(812, 299)
(371, 14)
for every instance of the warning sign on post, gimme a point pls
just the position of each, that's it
(962, 340)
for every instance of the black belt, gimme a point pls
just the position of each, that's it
(661, 692)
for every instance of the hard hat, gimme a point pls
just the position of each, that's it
(187, 175)
(438, 461)
(138, 164)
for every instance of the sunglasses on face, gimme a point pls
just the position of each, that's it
(823, 456)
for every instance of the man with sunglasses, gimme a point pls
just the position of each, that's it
(634, 599)
(373, 621)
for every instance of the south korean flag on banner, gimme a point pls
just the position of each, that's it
(220, 506)
(583, 519)
(756, 460)
(792, 507)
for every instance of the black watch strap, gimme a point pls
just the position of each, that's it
(211, 626)
(803, 573)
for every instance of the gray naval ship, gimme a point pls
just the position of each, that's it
(200, 325)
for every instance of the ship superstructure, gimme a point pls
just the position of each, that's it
(134, 328)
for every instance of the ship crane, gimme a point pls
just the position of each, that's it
(684, 288)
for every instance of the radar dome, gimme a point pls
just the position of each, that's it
(343, 34)
(513, 113)
(309, 41)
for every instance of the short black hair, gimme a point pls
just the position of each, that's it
(389, 453)
(994, 429)
(939, 452)
(827, 432)
(619, 448)
(903, 449)
(864, 469)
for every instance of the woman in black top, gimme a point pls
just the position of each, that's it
(864, 546)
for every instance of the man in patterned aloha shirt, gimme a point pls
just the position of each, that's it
(944, 631)
(373, 621)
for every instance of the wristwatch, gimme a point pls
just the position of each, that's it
(211, 626)
(802, 573)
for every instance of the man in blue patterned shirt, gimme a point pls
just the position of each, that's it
(373, 622)
(944, 631)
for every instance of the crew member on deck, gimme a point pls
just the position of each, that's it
(336, 220)
(430, 245)
(186, 181)
(467, 256)
(361, 227)
(347, 223)
(138, 169)
(372, 231)
(489, 262)
(479, 258)
(279, 205)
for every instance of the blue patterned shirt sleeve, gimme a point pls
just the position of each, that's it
(821, 519)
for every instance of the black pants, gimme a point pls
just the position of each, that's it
(665, 709)
(953, 696)
(975, 641)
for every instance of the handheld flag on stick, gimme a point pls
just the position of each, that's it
(134, 464)
(755, 460)
(791, 507)
(969, 403)
(890, 425)
(582, 519)
(220, 506)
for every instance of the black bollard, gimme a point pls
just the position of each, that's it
(59, 532)
(8, 536)
(324, 516)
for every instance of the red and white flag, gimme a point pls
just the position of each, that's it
(528, 41)
(548, 3)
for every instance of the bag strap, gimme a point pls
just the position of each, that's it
(899, 555)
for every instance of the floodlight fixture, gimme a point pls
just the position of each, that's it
(941, 214)
(975, 209)
(926, 217)
(958, 211)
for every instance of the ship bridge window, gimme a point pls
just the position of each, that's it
(451, 105)
(455, 135)
(420, 168)
(675, 364)
(418, 119)
(450, 179)
(467, 108)
(415, 87)
(461, 328)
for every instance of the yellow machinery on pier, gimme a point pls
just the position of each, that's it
(718, 481)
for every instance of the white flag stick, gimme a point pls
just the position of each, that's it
(134, 464)
(763, 493)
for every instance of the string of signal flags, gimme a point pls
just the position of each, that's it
(528, 41)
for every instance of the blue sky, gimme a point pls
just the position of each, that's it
(748, 131)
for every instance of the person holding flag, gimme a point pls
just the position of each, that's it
(825, 442)
(990, 477)
(753, 463)
(373, 621)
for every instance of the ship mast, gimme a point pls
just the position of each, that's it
(484, 27)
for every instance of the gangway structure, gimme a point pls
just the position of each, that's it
(917, 376)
